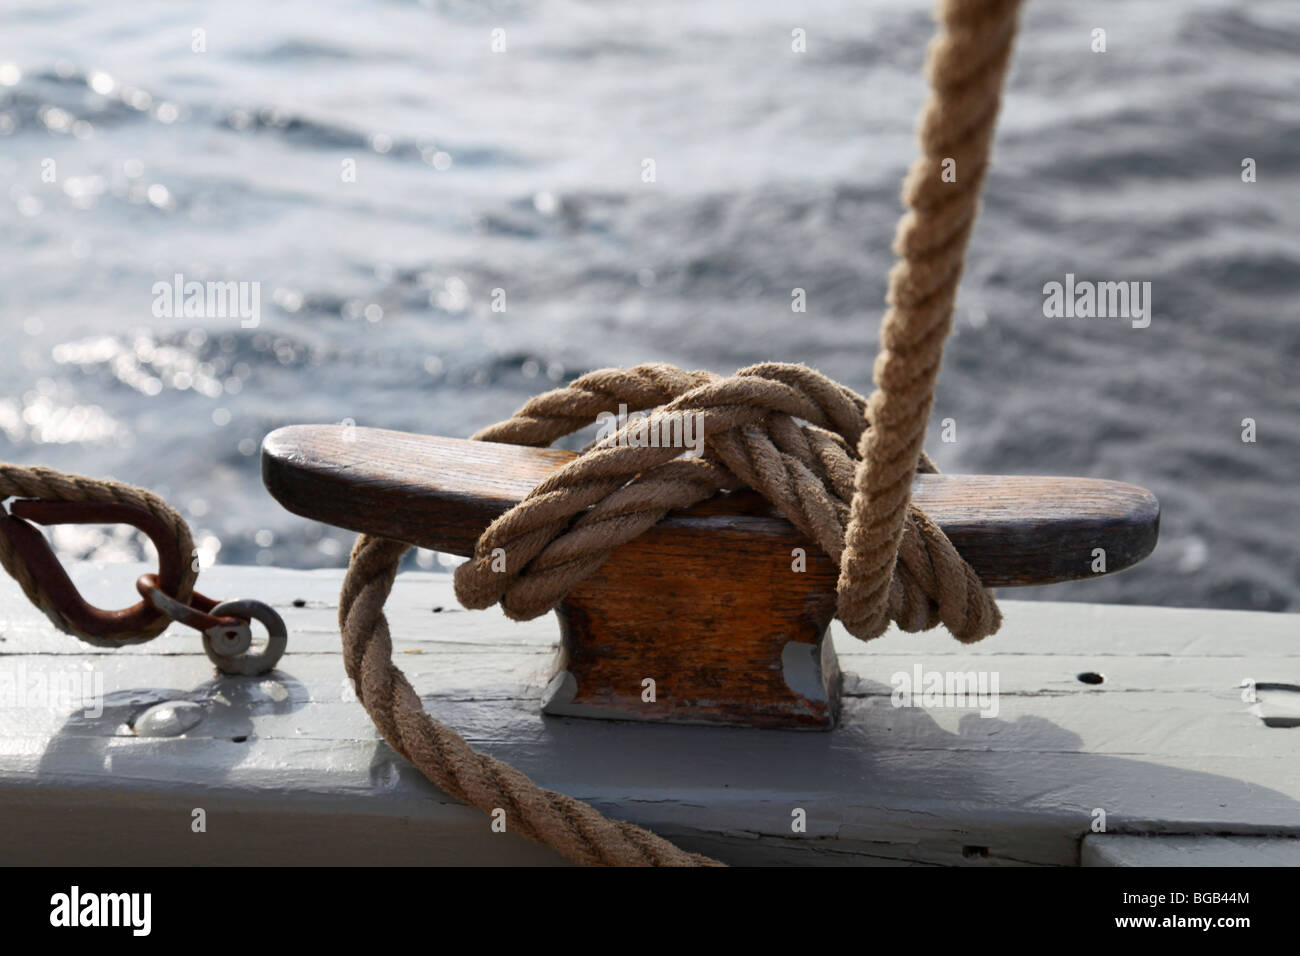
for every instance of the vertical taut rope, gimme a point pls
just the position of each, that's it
(967, 64)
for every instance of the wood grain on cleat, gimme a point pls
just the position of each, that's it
(441, 493)
(705, 604)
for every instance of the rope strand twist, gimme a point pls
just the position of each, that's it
(622, 485)
(837, 466)
(35, 481)
(894, 563)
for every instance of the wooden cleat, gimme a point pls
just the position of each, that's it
(703, 613)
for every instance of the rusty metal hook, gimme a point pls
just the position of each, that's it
(92, 622)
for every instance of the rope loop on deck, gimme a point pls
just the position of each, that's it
(843, 476)
(785, 431)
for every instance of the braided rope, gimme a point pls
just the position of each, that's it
(46, 483)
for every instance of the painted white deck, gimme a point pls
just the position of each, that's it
(289, 769)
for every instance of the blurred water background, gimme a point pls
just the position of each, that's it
(521, 170)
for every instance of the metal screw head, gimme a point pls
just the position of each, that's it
(229, 641)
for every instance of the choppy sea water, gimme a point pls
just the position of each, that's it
(129, 156)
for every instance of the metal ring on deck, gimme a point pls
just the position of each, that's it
(216, 640)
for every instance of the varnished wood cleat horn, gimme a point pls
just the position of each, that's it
(705, 609)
